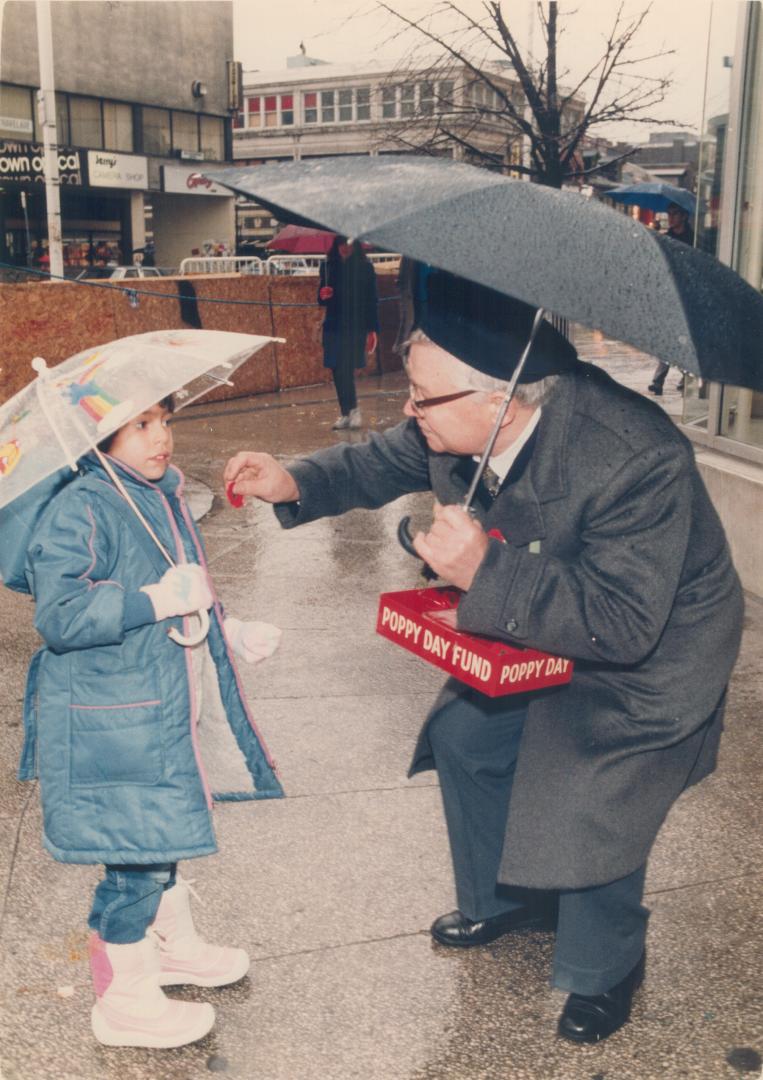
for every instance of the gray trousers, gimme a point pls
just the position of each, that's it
(601, 930)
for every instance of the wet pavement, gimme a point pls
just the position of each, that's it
(332, 889)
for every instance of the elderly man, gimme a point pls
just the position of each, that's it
(612, 555)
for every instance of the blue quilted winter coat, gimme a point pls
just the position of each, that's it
(111, 703)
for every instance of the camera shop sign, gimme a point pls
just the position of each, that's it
(105, 169)
(25, 163)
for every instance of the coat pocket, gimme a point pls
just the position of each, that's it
(115, 730)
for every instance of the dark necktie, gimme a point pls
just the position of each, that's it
(491, 480)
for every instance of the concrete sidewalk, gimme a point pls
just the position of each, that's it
(332, 889)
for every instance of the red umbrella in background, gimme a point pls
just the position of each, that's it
(299, 240)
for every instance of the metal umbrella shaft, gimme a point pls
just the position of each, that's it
(507, 400)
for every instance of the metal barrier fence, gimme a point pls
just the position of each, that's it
(275, 265)
(222, 264)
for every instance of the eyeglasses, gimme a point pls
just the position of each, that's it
(425, 403)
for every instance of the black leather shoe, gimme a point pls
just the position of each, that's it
(591, 1019)
(455, 929)
(653, 388)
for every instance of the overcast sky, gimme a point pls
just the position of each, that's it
(355, 30)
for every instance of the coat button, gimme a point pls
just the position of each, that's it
(511, 625)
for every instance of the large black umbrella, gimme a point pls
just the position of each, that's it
(554, 249)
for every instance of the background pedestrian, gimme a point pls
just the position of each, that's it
(347, 292)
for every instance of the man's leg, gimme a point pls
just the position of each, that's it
(600, 934)
(600, 944)
(475, 741)
(658, 379)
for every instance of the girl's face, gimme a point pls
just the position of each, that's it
(145, 444)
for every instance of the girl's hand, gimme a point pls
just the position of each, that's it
(252, 641)
(183, 590)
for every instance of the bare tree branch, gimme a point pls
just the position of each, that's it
(493, 108)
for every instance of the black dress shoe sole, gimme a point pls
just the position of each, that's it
(494, 930)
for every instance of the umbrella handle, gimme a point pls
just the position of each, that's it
(196, 636)
(406, 542)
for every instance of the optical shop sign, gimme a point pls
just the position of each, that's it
(25, 163)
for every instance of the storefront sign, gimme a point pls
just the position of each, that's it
(16, 123)
(105, 169)
(25, 162)
(188, 181)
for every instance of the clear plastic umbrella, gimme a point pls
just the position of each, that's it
(68, 409)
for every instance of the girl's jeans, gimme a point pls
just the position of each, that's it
(127, 900)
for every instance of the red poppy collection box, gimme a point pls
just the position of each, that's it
(423, 621)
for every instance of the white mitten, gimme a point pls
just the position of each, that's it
(252, 641)
(183, 589)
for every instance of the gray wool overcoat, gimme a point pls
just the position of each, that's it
(631, 578)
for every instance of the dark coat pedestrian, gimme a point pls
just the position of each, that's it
(347, 292)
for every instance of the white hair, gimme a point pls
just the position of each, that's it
(469, 378)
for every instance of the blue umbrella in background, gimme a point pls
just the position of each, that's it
(654, 195)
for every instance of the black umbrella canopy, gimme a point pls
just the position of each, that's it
(554, 249)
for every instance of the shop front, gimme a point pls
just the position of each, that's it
(99, 216)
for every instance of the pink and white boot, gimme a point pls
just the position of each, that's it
(131, 1008)
(184, 956)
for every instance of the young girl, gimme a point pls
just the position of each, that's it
(114, 714)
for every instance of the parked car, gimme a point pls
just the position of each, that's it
(118, 273)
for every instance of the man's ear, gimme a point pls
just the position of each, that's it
(496, 400)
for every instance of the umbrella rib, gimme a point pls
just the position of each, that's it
(41, 389)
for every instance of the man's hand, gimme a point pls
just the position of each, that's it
(454, 546)
(260, 475)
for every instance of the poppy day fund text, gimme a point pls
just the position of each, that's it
(456, 655)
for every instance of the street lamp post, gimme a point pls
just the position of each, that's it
(46, 104)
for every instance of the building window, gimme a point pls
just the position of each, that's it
(238, 121)
(117, 126)
(185, 131)
(407, 101)
(62, 120)
(445, 95)
(16, 113)
(213, 138)
(426, 98)
(85, 120)
(345, 105)
(363, 103)
(287, 110)
(389, 102)
(310, 105)
(327, 106)
(156, 131)
(271, 111)
(253, 112)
